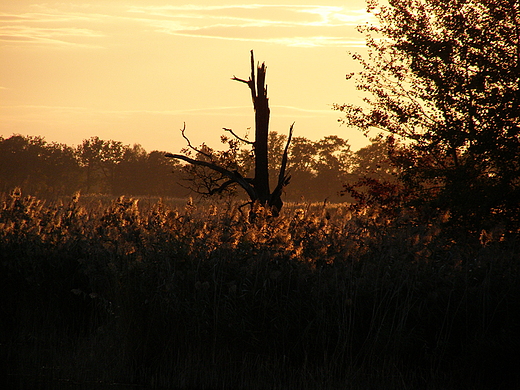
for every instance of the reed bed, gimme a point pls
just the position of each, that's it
(195, 295)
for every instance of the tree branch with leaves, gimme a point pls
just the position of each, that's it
(442, 80)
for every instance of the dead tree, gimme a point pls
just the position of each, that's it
(257, 188)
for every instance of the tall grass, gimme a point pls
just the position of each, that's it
(195, 296)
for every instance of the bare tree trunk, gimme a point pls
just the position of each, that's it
(262, 113)
(258, 187)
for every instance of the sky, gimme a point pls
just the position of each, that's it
(136, 70)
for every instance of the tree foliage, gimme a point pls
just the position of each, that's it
(318, 168)
(100, 158)
(95, 166)
(37, 166)
(442, 79)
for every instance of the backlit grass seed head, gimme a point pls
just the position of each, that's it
(190, 206)
(76, 196)
(172, 215)
(253, 236)
(299, 214)
(212, 211)
(445, 217)
(16, 193)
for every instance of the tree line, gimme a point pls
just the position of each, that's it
(319, 169)
(95, 166)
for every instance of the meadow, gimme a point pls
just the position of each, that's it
(180, 294)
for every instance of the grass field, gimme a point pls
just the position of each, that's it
(184, 295)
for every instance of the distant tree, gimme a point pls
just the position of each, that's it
(142, 173)
(372, 176)
(130, 172)
(100, 159)
(215, 172)
(318, 168)
(332, 164)
(37, 167)
(60, 169)
(374, 161)
(160, 167)
(443, 81)
(19, 162)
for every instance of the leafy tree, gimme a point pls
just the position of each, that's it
(100, 158)
(37, 167)
(19, 158)
(442, 78)
(130, 172)
(60, 169)
(318, 168)
(142, 173)
(332, 161)
(373, 161)
(159, 167)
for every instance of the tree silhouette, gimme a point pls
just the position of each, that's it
(257, 188)
(37, 166)
(443, 79)
(100, 159)
(142, 173)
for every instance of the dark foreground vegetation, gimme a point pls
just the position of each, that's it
(195, 296)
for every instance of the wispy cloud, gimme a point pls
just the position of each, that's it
(260, 14)
(292, 41)
(49, 26)
(57, 36)
(291, 25)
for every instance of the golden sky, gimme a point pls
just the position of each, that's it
(136, 70)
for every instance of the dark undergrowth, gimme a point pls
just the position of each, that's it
(198, 297)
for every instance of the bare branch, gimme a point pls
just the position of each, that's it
(232, 175)
(252, 84)
(244, 205)
(191, 146)
(237, 137)
(258, 187)
(241, 80)
(222, 187)
(283, 179)
(285, 154)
